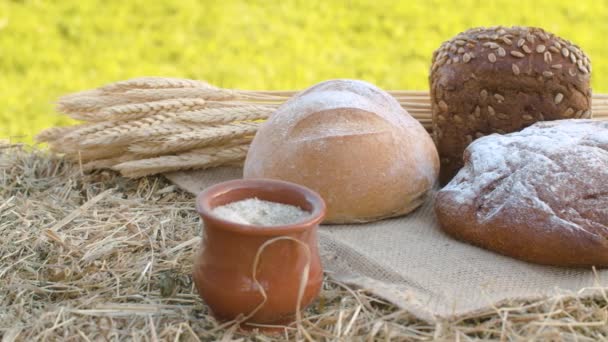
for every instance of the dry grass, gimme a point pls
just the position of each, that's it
(100, 257)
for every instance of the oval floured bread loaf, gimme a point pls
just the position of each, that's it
(540, 195)
(500, 80)
(353, 144)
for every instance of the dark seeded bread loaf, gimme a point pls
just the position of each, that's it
(500, 80)
(539, 195)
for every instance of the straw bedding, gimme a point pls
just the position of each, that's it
(97, 256)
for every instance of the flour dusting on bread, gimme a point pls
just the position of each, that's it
(548, 182)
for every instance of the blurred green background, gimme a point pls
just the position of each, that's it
(49, 48)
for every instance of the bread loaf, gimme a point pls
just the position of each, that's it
(539, 195)
(353, 144)
(500, 80)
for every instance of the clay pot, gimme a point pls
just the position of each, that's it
(224, 266)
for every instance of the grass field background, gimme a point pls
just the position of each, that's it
(49, 48)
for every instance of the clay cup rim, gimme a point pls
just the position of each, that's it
(264, 189)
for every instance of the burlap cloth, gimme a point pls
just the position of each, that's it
(410, 262)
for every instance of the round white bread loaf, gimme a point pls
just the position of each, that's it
(353, 144)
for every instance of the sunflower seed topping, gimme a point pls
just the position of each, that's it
(558, 98)
(477, 111)
(515, 69)
(483, 94)
(517, 54)
(521, 42)
(530, 38)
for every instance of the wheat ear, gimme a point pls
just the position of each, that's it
(124, 137)
(122, 131)
(139, 110)
(55, 133)
(84, 130)
(195, 159)
(86, 104)
(228, 114)
(214, 135)
(153, 82)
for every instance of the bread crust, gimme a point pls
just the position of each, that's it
(353, 144)
(539, 195)
(500, 80)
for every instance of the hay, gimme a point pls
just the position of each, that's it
(97, 256)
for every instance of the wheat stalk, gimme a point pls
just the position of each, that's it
(194, 159)
(89, 154)
(108, 163)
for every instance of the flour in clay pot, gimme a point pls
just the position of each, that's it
(253, 211)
